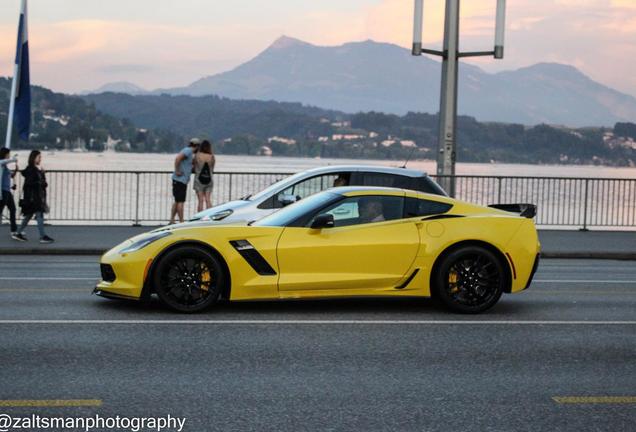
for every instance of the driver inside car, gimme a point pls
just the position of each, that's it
(370, 210)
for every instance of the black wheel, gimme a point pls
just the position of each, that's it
(470, 279)
(188, 279)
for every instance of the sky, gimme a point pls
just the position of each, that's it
(79, 45)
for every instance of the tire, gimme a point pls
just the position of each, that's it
(469, 280)
(189, 279)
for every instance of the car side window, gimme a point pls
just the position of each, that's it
(414, 207)
(305, 188)
(364, 209)
(312, 185)
(386, 180)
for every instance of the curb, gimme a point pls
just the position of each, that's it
(621, 256)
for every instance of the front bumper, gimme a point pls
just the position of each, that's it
(109, 295)
(123, 275)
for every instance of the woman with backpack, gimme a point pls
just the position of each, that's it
(204, 162)
(33, 201)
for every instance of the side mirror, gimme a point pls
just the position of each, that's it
(287, 199)
(323, 221)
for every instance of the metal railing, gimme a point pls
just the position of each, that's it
(561, 201)
(117, 197)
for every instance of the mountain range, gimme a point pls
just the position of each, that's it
(372, 76)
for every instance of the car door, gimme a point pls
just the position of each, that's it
(358, 253)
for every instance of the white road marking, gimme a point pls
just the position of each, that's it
(22, 278)
(584, 281)
(320, 322)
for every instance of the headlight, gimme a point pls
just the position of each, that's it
(218, 216)
(142, 243)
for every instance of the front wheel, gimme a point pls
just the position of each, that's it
(188, 279)
(470, 279)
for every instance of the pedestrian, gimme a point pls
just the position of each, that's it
(33, 202)
(181, 178)
(204, 162)
(7, 196)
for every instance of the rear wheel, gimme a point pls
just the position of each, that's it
(188, 279)
(470, 279)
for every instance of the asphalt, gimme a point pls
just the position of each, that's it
(333, 365)
(95, 240)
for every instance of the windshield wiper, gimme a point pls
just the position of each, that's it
(246, 197)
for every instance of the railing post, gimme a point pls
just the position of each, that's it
(136, 222)
(499, 190)
(229, 189)
(587, 182)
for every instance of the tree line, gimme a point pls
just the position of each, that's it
(162, 123)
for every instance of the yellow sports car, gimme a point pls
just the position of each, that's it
(344, 242)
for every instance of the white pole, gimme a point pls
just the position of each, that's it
(16, 77)
(500, 29)
(417, 27)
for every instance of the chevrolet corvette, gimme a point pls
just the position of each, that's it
(343, 242)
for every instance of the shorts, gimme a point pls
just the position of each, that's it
(200, 187)
(179, 191)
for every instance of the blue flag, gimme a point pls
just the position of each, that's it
(22, 115)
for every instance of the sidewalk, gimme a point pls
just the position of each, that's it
(95, 240)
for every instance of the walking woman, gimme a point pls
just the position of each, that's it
(7, 197)
(204, 162)
(33, 202)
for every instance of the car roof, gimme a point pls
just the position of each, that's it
(368, 168)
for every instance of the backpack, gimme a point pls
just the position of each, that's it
(205, 176)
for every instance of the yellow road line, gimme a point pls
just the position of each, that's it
(595, 399)
(51, 403)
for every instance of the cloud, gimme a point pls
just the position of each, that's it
(597, 36)
(72, 54)
(125, 69)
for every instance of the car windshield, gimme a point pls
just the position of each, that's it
(279, 185)
(290, 213)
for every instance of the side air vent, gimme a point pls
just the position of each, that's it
(108, 274)
(409, 280)
(253, 257)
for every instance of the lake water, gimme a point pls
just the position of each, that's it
(60, 160)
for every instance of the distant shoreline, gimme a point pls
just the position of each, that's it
(129, 161)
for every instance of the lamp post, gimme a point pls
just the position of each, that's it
(450, 63)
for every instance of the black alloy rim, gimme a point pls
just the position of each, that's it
(473, 280)
(188, 281)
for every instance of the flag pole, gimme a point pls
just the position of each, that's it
(14, 86)
(16, 77)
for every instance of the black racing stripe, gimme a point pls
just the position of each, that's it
(253, 257)
(442, 216)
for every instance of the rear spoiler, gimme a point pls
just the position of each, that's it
(526, 210)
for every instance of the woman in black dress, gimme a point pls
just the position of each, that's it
(33, 202)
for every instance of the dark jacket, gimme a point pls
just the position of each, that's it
(34, 198)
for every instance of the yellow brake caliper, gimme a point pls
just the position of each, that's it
(206, 278)
(452, 281)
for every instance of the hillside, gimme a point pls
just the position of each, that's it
(62, 121)
(372, 76)
(288, 129)
(161, 124)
